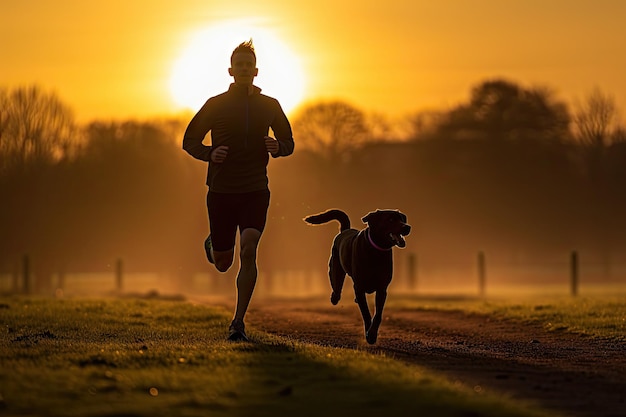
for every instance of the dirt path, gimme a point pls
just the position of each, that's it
(572, 374)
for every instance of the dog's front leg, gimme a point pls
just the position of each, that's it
(371, 334)
(361, 300)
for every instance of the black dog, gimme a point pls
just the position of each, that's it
(366, 256)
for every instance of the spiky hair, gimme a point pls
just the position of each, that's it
(245, 47)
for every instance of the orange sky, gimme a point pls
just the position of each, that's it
(114, 59)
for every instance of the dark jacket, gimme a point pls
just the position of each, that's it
(241, 121)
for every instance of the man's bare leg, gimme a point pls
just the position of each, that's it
(246, 278)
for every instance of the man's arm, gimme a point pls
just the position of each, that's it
(283, 133)
(195, 133)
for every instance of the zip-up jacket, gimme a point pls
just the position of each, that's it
(240, 119)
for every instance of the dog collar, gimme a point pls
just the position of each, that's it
(374, 245)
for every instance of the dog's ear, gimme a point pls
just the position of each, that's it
(370, 216)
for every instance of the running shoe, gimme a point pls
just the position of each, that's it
(208, 248)
(237, 331)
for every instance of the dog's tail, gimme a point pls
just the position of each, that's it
(329, 215)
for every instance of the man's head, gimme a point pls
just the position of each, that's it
(243, 63)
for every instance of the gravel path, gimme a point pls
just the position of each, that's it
(569, 373)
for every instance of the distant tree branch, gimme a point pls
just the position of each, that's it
(35, 128)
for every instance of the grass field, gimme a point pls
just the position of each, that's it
(598, 316)
(146, 357)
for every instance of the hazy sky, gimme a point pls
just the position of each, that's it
(116, 58)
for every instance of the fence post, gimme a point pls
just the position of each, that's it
(61, 282)
(26, 272)
(119, 275)
(574, 273)
(16, 277)
(412, 271)
(481, 273)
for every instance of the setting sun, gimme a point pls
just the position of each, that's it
(201, 71)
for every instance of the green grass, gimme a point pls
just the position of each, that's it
(599, 316)
(136, 357)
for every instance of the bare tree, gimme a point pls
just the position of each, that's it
(596, 119)
(35, 127)
(332, 129)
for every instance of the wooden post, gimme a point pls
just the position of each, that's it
(26, 274)
(119, 275)
(16, 277)
(60, 287)
(61, 280)
(412, 271)
(482, 271)
(574, 273)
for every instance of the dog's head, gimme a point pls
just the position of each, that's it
(388, 227)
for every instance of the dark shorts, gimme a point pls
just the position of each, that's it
(229, 211)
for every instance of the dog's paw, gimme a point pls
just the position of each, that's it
(371, 337)
(334, 298)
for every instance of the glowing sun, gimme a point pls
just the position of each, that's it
(201, 71)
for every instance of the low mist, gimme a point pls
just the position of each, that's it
(128, 201)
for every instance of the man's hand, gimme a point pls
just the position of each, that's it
(271, 145)
(219, 154)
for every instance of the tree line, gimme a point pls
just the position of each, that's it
(513, 170)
